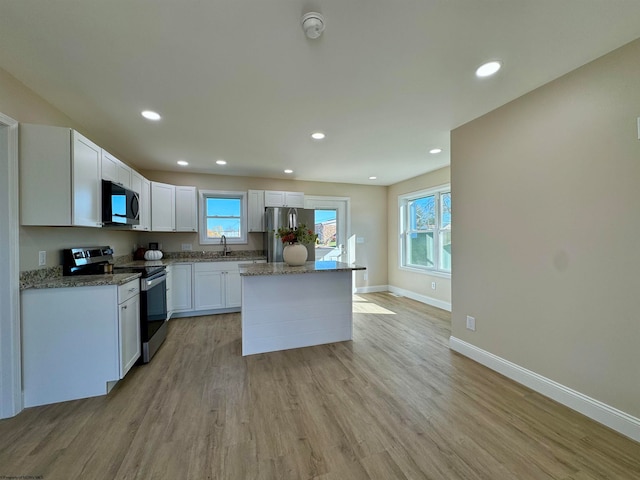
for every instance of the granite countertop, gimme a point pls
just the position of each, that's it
(194, 259)
(279, 268)
(52, 277)
(82, 281)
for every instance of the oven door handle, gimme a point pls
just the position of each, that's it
(148, 284)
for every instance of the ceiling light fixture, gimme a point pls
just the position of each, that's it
(151, 115)
(433, 151)
(313, 24)
(288, 170)
(183, 163)
(318, 135)
(373, 178)
(488, 69)
(221, 162)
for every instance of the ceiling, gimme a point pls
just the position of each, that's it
(239, 81)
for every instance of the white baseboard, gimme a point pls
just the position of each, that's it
(600, 412)
(373, 289)
(434, 302)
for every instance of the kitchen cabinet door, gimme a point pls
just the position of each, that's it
(143, 187)
(163, 207)
(114, 170)
(255, 211)
(233, 288)
(181, 286)
(129, 323)
(273, 198)
(186, 209)
(169, 270)
(109, 166)
(208, 292)
(87, 188)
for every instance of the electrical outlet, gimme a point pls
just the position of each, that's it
(471, 323)
(187, 247)
(366, 276)
(433, 285)
(42, 258)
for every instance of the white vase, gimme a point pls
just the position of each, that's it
(295, 254)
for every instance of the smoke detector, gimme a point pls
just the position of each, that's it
(313, 24)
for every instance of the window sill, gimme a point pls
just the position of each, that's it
(431, 273)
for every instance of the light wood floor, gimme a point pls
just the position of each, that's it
(395, 403)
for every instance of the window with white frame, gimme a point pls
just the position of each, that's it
(223, 213)
(425, 230)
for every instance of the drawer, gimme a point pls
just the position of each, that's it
(128, 290)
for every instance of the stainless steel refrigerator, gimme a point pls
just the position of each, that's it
(276, 217)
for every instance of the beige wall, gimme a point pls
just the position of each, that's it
(547, 222)
(417, 283)
(368, 215)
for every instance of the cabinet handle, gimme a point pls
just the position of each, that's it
(132, 289)
(124, 307)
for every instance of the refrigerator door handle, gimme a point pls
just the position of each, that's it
(293, 217)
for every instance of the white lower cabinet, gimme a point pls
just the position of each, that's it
(169, 282)
(208, 286)
(129, 325)
(72, 350)
(233, 288)
(181, 286)
(216, 285)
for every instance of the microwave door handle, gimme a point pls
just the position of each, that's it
(135, 206)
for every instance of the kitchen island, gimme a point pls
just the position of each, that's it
(287, 307)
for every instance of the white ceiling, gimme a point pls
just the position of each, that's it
(238, 80)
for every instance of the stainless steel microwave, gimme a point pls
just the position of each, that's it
(120, 206)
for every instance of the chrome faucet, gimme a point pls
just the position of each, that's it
(225, 250)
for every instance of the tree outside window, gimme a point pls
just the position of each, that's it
(426, 230)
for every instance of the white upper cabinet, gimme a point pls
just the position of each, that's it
(173, 208)
(59, 177)
(186, 209)
(255, 211)
(163, 207)
(115, 171)
(142, 187)
(87, 188)
(283, 199)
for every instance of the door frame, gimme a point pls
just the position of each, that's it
(343, 207)
(10, 344)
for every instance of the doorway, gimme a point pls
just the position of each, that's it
(332, 227)
(10, 368)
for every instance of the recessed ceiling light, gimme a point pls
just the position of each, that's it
(221, 162)
(433, 151)
(288, 170)
(317, 135)
(183, 163)
(372, 177)
(488, 69)
(151, 115)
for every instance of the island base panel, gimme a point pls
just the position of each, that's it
(280, 312)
